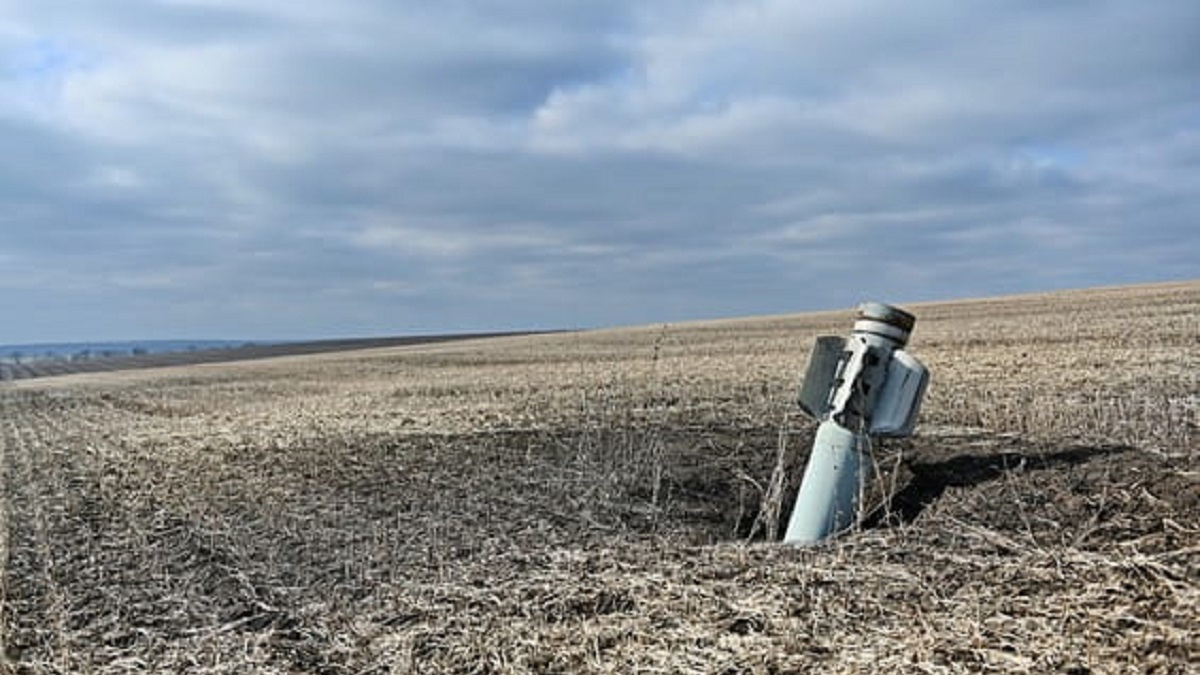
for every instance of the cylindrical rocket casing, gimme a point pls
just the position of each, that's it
(828, 499)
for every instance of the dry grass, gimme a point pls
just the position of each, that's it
(583, 502)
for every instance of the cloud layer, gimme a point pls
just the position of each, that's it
(201, 168)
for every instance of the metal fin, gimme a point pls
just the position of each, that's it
(818, 379)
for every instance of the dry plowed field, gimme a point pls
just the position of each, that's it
(50, 367)
(607, 502)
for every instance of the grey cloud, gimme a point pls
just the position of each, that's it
(271, 168)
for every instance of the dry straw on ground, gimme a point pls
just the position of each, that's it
(597, 502)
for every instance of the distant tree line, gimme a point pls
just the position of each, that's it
(18, 357)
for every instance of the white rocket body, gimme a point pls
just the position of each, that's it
(862, 386)
(829, 495)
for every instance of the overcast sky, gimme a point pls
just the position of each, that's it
(279, 169)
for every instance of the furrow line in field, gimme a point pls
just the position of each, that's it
(36, 606)
(59, 464)
(6, 447)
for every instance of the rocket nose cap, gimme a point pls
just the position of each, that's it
(892, 316)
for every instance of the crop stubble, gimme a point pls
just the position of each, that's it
(582, 502)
